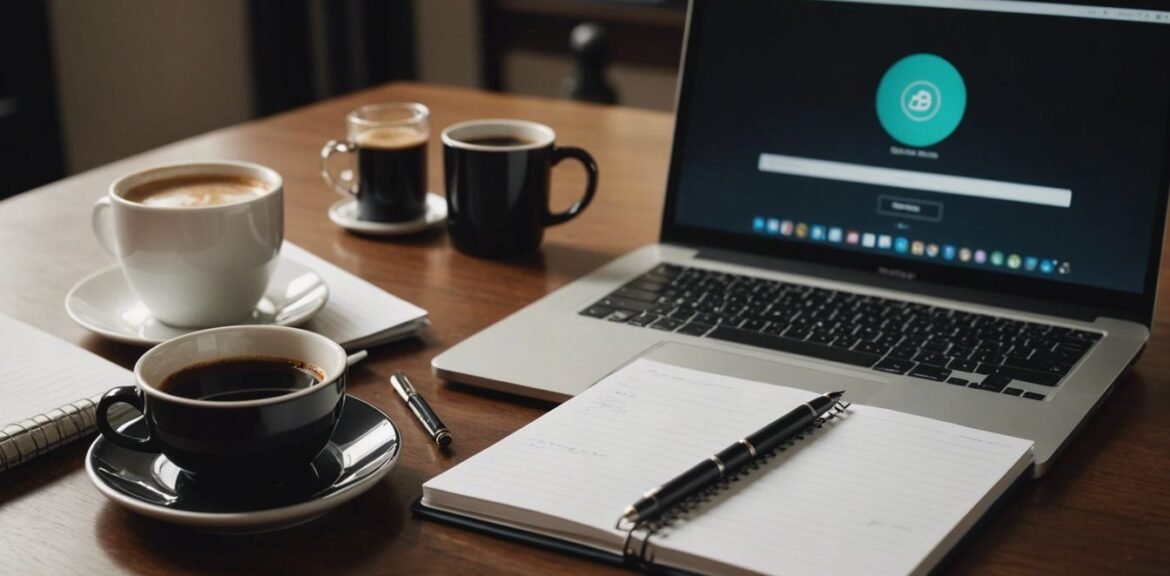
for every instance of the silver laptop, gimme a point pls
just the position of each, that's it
(953, 208)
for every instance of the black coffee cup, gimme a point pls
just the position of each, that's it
(390, 145)
(497, 175)
(256, 441)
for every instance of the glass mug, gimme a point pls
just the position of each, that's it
(390, 142)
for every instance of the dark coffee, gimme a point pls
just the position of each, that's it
(497, 200)
(499, 141)
(392, 169)
(239, 379)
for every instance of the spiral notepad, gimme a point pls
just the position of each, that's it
(48, 392)
(869, 491)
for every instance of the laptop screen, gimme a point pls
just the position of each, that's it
(952, 139)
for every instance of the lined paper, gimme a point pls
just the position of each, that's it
(358, 314)
(48, 391)
(874, 492)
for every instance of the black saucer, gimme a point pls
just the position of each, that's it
(364, 447)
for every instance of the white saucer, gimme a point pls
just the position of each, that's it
(364, 447)
(344, 213)
(103, 303)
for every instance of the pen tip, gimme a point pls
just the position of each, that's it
(836, 395)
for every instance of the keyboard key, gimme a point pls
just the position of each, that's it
(668, 324)
(1013, 391)
(642, 319)
(893, 366)
(993, 383)
(872, 348)
(930, 373)
(1033, 396)
(1041, 378)
(794, 346)
(1037, 365)
(695, 329)
(931, 358)
(962, 365)
(903, 353)
(845, 342)
(635, 294)
(957, 381)
(621, 315)
(796, 333)
(821, 337)
(625, 304)
(597, 311)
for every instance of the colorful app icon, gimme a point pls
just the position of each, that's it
(932, 250)
(1030, 263)
(965, 254)
(758, 223)
(1047, 266)
(885, 242)
(901, 245)
(786, 227)
(948, 252)
(818, 232)
(997, 258)
(980, 256)
(801, 230)
(869, 240)
(1014, 262)
(853, 237)
(835, 234)
(773, 226)
(1064, 268)
(917, 248)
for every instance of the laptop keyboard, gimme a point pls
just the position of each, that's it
(989, 353)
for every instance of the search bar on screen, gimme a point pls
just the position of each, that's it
(911, 180)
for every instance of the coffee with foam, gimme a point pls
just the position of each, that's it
(197, 191)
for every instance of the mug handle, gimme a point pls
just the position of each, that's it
(344, 182)
(123, 395)
(579, 206)
(102, 221)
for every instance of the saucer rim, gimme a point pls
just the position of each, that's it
(275, 518)
(135, 340)
(416, 226)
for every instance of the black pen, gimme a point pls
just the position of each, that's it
(729, 461)
(422, 411)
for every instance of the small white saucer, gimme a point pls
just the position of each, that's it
(103, 303)
(344, 213)
(364, 447)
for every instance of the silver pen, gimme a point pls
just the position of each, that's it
(422, 411)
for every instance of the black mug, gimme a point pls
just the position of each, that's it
(263, 439)
(497, 175)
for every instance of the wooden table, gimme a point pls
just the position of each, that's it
(1104, 508)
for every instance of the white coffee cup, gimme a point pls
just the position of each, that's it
(197, 263)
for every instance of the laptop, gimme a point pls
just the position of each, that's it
(953, 208)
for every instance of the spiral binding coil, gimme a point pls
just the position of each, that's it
(25, 440)
(689, 507)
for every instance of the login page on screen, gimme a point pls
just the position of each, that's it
(1023, 138)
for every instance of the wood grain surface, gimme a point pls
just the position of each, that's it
(1105, 507)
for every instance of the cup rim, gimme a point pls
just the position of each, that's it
(418, 113)
(149, 173)
(546, 134)
(151, 390)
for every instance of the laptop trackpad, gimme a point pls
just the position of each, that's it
(794, 374)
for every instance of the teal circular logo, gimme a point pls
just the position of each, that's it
(921, 100)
